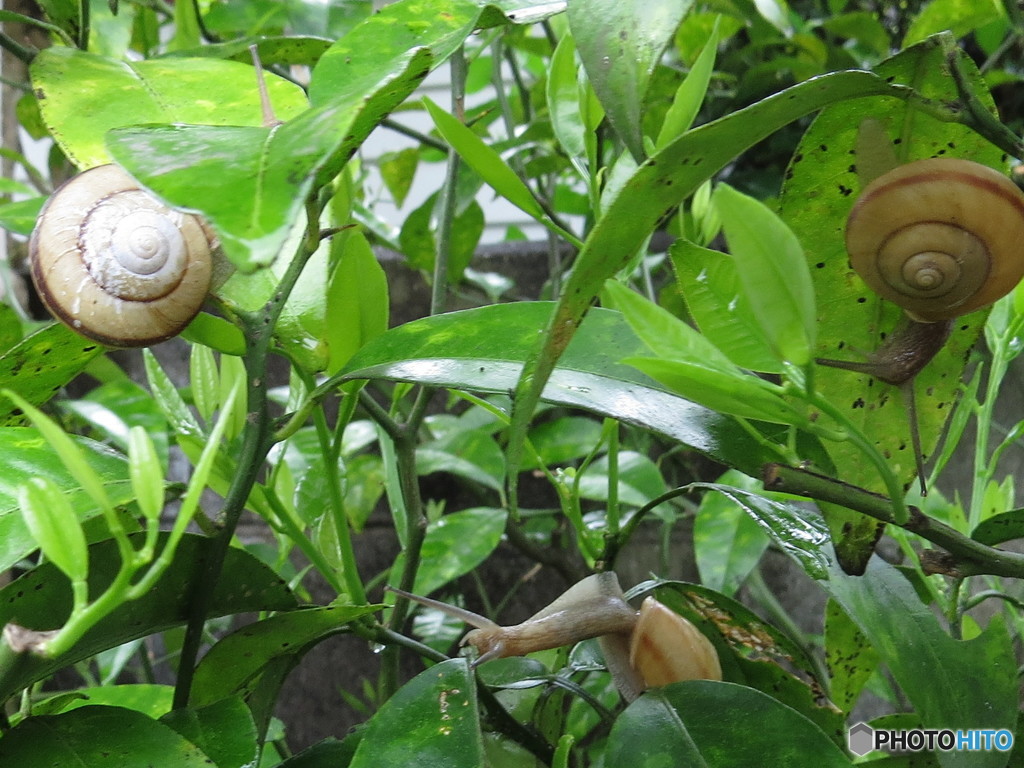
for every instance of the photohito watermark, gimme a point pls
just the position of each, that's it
(862, 738)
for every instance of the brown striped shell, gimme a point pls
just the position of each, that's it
(939, 237)
(117, 265)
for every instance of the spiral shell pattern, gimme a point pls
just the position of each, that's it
(117, 265)
(939, 237)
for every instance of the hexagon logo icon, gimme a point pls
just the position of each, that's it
(860, 739)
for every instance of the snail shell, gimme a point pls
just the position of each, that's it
(117, 265)
(939, 237)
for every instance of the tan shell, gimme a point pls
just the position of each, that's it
(666, 648)
(939, 237)
(117, 265)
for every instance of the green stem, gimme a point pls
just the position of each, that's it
(967, 557)
(258, 328)
(439, 289)
(331, 450)
(298, 536)
(855, 436)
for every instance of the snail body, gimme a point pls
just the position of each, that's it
(650, 647)
(116, 264)
(940, 237)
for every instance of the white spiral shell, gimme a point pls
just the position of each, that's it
(117, 265)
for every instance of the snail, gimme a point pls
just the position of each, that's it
(940, 237)
(647, 648)
(117, 265)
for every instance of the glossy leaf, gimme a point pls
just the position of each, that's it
(620, 43)
(24, 455)
(482, 350)
(697, 722)
(352, 66)
(83, 95)
(656, 188)
(41, 600)
(264, 175)
(951, 683)
(432, 720)
(42, 364)
(235, 663)
(97, 737)
(772, 270)
(286, 50)
(728, 542)
(225, 731)
(799, 534)
(819, 190)
(457, 543)
(148, 698)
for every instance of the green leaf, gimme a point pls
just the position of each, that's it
(481, 350)
(54, 527)
(710, 285)
(82, 96)
(235, 662)
(20, 217)
(620, 43)
(690, 94)
(697, 722)
(563, 97)
(657, 187)
(958, 684)
(42, 364)
(25, 454)
(146, 473)
(203, 381)
(225, 731)
(40, 600)
(70, 453)
(799, 534)
(169, 400)
(960, 17)
(1005, 526)
(736, 394)
(264, 175)
(850, 657)
(485, 161)
(431, 720)
(728, 542)
(90, 737)
(665, 334)
(353, 64)
(216, 333)
(755, 653)
(773, 272)
(150, 699)
(457, 543)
